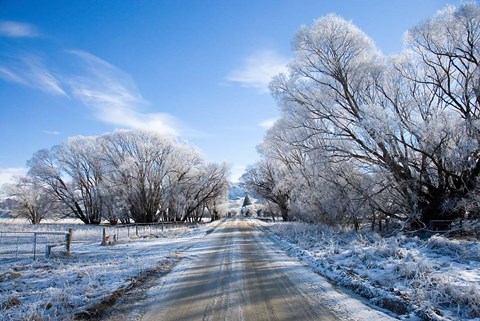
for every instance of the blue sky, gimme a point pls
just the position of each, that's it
(194, 69)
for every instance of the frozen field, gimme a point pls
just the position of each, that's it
(435, 279)
(59, 287)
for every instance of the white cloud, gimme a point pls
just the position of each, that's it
(17, 29)
(30, 70)
(51, 132)
(7, 174)
(113, 97)
(10, 75)
(237, 172)
(106, 90)
(39, 76)
(268, 123)
(258, 69)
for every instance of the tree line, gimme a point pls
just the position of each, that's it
(122, 176)
(364, 136)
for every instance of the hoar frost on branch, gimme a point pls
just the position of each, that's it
(124, 176)
(29, 200)
(366, 136)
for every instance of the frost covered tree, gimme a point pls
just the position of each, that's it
(30, 200)
(194, 185)
(138, 162)
(406, 125)
(161, 178)
(188, 161)
(71, 173)
(444, 53)
(246, 201)
(129, 175)
(266, 179)
(209, 186)
(81, 160)
(322, 188)
(115, 207)
(324, 100)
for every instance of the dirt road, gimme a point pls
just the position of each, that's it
(235, 273)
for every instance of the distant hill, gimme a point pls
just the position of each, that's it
(5, 214)
(5, 206)
(235, 191)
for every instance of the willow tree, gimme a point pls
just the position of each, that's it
(408, 122)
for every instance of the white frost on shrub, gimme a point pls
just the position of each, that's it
(438, 278)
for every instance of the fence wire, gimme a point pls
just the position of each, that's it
(24, 243)
(21, 245)
(115, 233)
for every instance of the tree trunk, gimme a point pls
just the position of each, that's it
(284, 212)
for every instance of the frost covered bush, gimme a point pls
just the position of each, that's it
(448, 294)
(459, 249)
(304, 233)
(437, 278)
(58, 288)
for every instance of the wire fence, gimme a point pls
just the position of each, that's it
(124, 231)
(139, 230)
(20, 245)
(22, 242)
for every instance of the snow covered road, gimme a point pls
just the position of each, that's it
(236, 273)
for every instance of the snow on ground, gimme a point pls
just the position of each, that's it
(238, 274)
(434, 279)
(59, 287)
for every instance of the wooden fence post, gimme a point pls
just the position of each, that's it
(68, 240)
(34, 245)
(104, 237)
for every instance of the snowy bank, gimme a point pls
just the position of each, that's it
(434, 279)
(61, 287)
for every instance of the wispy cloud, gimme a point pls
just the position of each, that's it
(9, 75)
(30, 70)
(39, 76)
(8, 174)
(109, 93)
(236, 172)
(113, 97)
(258, 69)
(17, 29)
(51, 132)
(268, 123)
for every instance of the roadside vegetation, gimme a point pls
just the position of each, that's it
(365, 137)
(376, 160)
(120, 177)
(436, 278)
